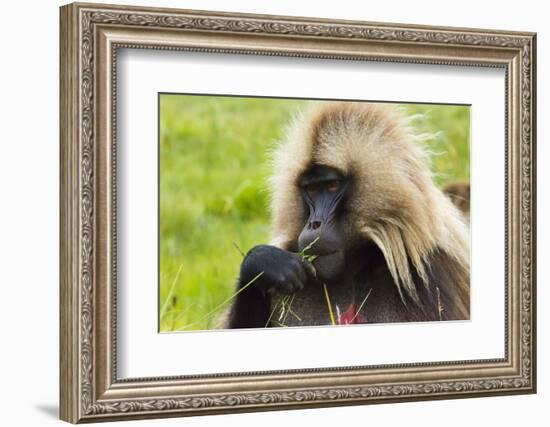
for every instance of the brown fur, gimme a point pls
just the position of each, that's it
(394, 202)
(459, 192)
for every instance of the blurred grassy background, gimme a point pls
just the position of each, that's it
(214, 154)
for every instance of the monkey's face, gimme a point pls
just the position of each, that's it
(323, 190)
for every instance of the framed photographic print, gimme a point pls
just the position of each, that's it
(265, 212)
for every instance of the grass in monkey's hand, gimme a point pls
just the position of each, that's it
(283, 308)
(284, 305)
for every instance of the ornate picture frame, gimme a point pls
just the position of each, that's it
(90, 37)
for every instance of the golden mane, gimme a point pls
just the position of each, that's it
(395, 202)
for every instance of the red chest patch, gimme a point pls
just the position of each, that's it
(351, 316)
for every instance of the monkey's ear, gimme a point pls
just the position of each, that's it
(459, 193)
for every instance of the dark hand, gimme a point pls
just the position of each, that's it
(283, 271)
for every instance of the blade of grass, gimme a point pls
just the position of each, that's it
(182, 313)
(440, 309)
(170, 292)
(272, 313)
(295, 315)
(211, 312)
(284, 301)
(302, 253)
(281, 325)
(288, 307)
(361, 305)
(329, 305)
(239, 249)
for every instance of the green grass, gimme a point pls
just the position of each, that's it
(214, 197)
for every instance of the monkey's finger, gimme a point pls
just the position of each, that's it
(310, 270)
(296, 283)
(299, 270)
(286, 288)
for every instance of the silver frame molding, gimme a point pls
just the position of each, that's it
(90, 37)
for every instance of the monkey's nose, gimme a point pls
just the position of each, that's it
(314, 225)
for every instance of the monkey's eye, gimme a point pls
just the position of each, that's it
(311, 189)
(333, 186)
